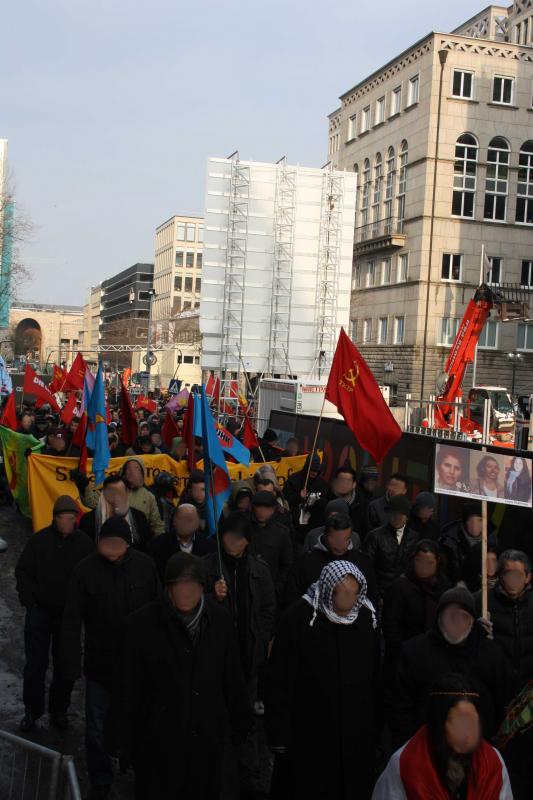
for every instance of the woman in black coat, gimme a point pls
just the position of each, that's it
(320, 698)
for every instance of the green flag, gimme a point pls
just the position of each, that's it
(14, 447)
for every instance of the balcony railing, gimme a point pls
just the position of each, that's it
(380, 229)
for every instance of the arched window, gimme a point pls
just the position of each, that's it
(389, 189)
(524, 199)
(464, 180)
(497, 180)
(357, 187)
(402, 183)
(366, 192)
(376, 202)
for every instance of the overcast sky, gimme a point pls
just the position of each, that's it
(111, 109)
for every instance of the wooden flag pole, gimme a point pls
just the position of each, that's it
(484, 581)
(312, 452)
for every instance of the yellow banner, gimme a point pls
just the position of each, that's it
(49, 477)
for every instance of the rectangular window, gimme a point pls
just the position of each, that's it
(353, 330)
(524, 189)
(385, 271)
(526, 275)
(144, 296)
(383, 324)
(370, 273)
(403, 267)
(191, 233)
(414, 90)
(367, 331)
(200, 233)
(489, 335)
(198, 285)
(399, 328)
(463, 84)
(380, 111)
(188, 284)
(365, 119)
(502, 90)
(451, 267)
(187, 306)
(180, 231)
(189, 259)
(199, 260)
(448, 331)
(352, 127)
(179, 258)
(188, 359)
(525, 336)
(496, 270)
(177, 283)
(396, 104)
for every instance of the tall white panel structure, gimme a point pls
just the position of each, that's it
(277, 267)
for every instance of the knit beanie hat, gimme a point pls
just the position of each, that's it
(116, 527)
(426, 500)
(471, 509)
(369, 473)
(185, 567)
(458, 596)
(337, 506)
(65, 505)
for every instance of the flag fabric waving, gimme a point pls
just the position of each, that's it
(59, 379)
(14, 450)
(36, 386)
(128, 429)
(353, 389)
(146, 403)
(217, 480)
(249, 438)
(69, 410)
(96, 438)
(76, 375)
(188, 430)
(178, 401)
(169, 429)
(9, 414)
(232, 446)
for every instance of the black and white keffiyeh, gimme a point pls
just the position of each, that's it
(320, 594)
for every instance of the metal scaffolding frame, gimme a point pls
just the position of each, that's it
(284, 222)
(328, 268)
(236, 249)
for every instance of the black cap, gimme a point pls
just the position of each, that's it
(399, 503)
(116, 527)
(185, 567)
(264, 499)
(471, 509)
(458, 596)
(270, 435)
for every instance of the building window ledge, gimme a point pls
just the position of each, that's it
(397, 114)
(503, 105)
(463, 99)
(410, 107)
(364, 133)
(349, 141)
(379, 124)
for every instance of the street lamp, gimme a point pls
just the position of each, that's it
(150, 358)
(515, 359)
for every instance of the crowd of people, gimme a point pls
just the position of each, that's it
(338, 618)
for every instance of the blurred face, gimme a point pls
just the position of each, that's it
(337, 541)
(186, 521)
(134, 474)
(116, 497)
(113, 548)
(26, 422)
(65, 522)
(492, 564)
(514, 578)
(156, 439)
(474, 526)
(343, 485)
(264, 513)
(266, 487)
(370, 485)
(73, 427)
(244, 503)
(397, 519)
(292, 448)
(233, 544)
(450, 470)
(180, 449)
(179, 424)
(345, 595)
(425, 565)
(424, 513)
(198, 492)
(492, 470)
(396, 487)
(462, 729)
(57, 444)
(455, 623)
(184, 595)
(146, 446)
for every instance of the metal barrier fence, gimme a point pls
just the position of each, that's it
(29, 771)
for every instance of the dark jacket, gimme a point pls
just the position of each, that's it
(101, 595)
(389, 558)
(160, 548)
(181, 700)
(308, 567)
(291, 492)
(409, 609)
(426, 530)
(513, 630)
(88, 526)
(377, 513)
(45, 565)
(256, 630)
(364, 500)
(273, 543)
(321, 683)
(429, 655)
(462, 559)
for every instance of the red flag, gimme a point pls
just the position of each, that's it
(146, 403)
(80, 439)
(76, 376)
(188, 433)
(36, 386)
(249, 438)
(9, 414)
(128, 430)
(353, 389)
(210, 385)
(169, 429)
(69, 409)
(58, 381)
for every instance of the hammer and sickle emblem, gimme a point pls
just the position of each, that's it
(352, 375)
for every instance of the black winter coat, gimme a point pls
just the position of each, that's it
(291, 492)
(409, 609)
(513, 630)
(425, 530)
(320, 701)
(160, 548)
(88, 526)
(45, 565)
(181, 701)
(463, 560)
(101, 595)
(389, 558)
(308, 567)
(260, 606)
(273, 543)
(424, 658)
(377, 513)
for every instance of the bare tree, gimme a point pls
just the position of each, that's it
(15, 230)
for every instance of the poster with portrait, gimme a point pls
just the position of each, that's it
(496, 477)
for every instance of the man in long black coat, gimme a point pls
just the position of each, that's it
(184, 535)
(184, 691)
(320, 700)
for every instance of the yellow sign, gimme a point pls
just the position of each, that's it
(49, 477)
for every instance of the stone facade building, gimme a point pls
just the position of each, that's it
(441, 139)
(43, 334)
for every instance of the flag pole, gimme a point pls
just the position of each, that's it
(481, 276)
(217, 535)
(312, 452)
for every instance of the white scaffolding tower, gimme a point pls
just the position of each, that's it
(284, 222)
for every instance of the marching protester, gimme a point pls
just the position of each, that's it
(422, 517)
(368, 489)
(194, 493)
(377, 512)
(164, 489)
(114, 501)
(334, 507)
(183, 536)
(302, 490)
(42, 573)
(343, 487)
(104, 588)
(391, 546)
(461, 544)
(271, 541)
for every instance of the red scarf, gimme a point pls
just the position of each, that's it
(421, 780)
